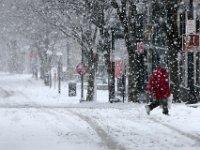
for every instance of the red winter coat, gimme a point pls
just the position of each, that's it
(158, 84)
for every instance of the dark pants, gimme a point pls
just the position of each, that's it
(157, 103)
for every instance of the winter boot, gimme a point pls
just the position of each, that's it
(147, 107)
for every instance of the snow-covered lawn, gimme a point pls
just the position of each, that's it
(35, 117)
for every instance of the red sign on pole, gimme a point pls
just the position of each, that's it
(190, 41)
(81, 69)
(118, 69)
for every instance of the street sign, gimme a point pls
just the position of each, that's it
(140, 47)
(190, 26)
(81, 69)
(189, 42)
(118, 69)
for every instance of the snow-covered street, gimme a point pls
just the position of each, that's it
(35, 117)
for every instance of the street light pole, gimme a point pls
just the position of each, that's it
(112, 64)
(49, 53)
(82, 79)
(59, 85)
(192, 95)
(59, 54)
(140, 7)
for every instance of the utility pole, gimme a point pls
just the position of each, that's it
(59, 54)
(192, 94)
(82, 78)
(173, 46)
(112, 78)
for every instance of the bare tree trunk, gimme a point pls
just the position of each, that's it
(173, 46)
(128, 22)
(43, 61)
(107, 47)
(91, 75)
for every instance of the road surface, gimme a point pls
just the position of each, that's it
(29, 124)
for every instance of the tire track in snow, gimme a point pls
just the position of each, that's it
(67, 106)
(4, 93)
(60, 115)
(188, 135)
(106, 139)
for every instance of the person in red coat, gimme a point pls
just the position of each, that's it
(158, 86)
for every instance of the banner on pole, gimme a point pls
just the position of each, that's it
(190, 42)
(118, 69)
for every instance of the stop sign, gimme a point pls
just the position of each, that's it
(81, 69)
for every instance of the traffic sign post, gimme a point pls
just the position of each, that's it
(81, 69)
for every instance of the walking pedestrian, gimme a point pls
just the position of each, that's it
(158, 86)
